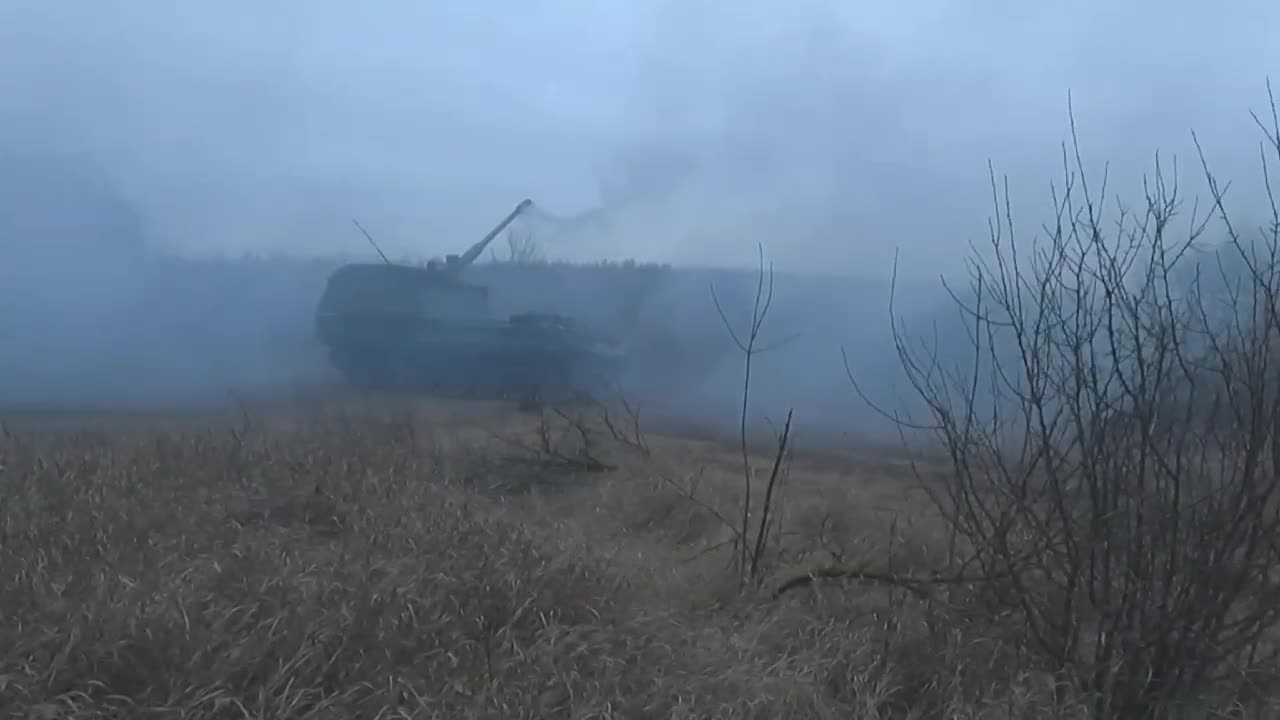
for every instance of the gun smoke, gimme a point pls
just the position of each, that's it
(176, 182)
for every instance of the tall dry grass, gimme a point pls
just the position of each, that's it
(401, 567)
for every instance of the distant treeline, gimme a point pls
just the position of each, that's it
(259, 307)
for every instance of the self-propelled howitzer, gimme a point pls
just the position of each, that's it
(389, 326)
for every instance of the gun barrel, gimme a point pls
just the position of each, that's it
(474, 251)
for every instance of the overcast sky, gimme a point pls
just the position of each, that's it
(831, 131)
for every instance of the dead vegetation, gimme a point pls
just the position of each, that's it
(350, 569)
(1115, 467)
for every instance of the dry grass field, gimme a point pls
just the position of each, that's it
(385, 558)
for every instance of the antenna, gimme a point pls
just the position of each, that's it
(369, 237)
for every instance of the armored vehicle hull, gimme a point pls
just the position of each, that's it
(527, 358)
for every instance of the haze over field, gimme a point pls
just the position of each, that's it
(833, 133)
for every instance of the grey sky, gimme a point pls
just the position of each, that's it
(831, 131)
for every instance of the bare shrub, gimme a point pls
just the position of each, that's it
(624, 426)
(561, 441)
(523, 248)
(1112, 440)
(750, 553)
